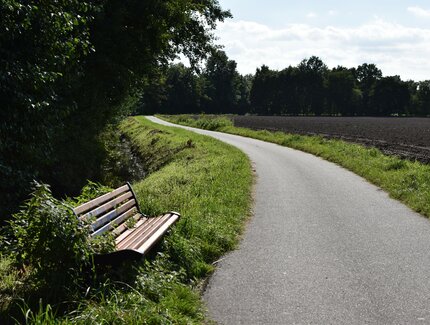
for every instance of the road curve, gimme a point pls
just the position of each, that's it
(323, 247)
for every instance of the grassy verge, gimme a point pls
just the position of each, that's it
(209, 183)
(404, 180)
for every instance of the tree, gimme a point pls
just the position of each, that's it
(390, 95)
(154, 95)
(367, 75)
(222, 80)
(184, 90)
(423, 98)
(263, 92)
(69, 68)
(41, 45)
(287, 92)
(244, 86)
(312, 73)
(340, 92)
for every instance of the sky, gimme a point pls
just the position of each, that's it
(393, 34)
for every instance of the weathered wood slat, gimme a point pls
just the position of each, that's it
(116, 222)
(157, 227)
(104, 219)
(135, 233)
(107, 206)
(100, 200)
(123, 231)
(146, 246)
(149, 232)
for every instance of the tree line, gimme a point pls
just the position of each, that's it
(310, 88)
(70, 68)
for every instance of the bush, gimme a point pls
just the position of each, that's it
(206, 122)
(213, 123)
(89, 192)
(46, 236)
(46, 254)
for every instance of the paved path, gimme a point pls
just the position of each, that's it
(324, 247)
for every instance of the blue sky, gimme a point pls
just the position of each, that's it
(395, 35)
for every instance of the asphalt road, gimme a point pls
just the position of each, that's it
(323, 247)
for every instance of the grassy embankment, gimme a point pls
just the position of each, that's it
(404, 180)
(209, 183)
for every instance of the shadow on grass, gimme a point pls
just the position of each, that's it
(27, 300)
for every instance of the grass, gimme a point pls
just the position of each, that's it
(403, 180)
(209, 183)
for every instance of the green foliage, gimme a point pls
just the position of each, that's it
(155, 147)
(40, 43)
(340, 92)
(217, 89)
(390, 95)
(211, 123)
(70, 68)
(90, 191)
(156, 297)
(14, 284)
(47, 236)
(421, 93)
(309, 88)
(222, 81)
(122, 163)
(45, 315)
(207, 122)
(178, 89)
(47, 253)
(207, 181)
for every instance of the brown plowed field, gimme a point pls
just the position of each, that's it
(405, 137)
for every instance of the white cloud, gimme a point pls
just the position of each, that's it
(419, 12)
(311, 15)
(333, 12)
(396, 49)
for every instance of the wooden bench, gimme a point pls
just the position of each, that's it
(119, 213)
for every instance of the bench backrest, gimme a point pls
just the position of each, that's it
(109, 211)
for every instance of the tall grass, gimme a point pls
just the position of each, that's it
(404, 180)
(209, 183)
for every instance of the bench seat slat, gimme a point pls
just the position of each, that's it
(104, 219)
(146, 231)
(157, 235)
(107, 206)
(150, 231)
(123, 231)
(100, 200)
(116, 222)
(135, 233)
